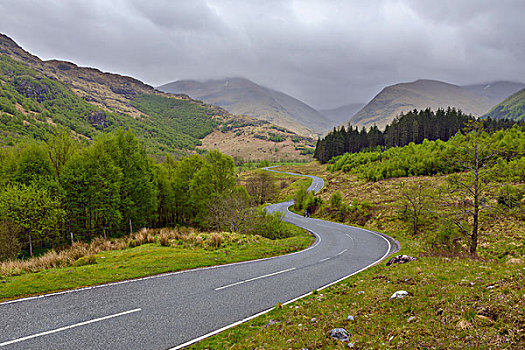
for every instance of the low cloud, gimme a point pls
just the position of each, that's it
(326, 53)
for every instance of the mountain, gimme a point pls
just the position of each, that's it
(244, 97)
(496, 91)
(342, 114)
(39, 97)
(513, 107)
(421, 94)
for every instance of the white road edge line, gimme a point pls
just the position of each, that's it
(202, 337)
(192, 341)
(256, 278)
(68, 327)
(342, 252)
(324, 259)
(318, 240)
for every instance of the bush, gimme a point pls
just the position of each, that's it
(85, 260)
(336, 200)
(9, 244)
(447, 237)
(509, 196)
(268, 225)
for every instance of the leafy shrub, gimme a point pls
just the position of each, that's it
(509, 196)
(268, 225)
(336, 200)
(9, 244)
(446, 237)
(85, 260)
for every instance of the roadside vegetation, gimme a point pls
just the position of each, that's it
(465, 290)
(63, 203)
(145, 253)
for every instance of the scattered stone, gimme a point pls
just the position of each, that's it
(400, 259)
(390, 339)
(485, 318)
(400, 294)
(313, 320)
(411, 318)
(272, 322)
(439, 312)
(339, 334)
(351, 345)
(350, 318)
(361, 292)
(491, 286)
(472, 283)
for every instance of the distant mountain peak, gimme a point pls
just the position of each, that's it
(242, 96)
(427, 93)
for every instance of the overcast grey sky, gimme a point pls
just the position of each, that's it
(326, 53)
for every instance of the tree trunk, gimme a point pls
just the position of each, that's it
(30, 247)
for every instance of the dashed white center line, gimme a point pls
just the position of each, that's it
(68, 327)
(255, 278)
(342, 252)
(324, 259)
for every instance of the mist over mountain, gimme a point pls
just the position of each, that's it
(38, 98)
(342, 114)
(421, 94)
(244, 97)
(496, 91)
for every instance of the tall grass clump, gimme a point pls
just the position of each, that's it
(81, 253)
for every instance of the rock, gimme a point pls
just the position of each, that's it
(400, 259)
(400, 294)
(97, 118)
(35, 89)
(313, 320)
(411, 318)
(361, 292)
(350, 318)
(272, 322)
(485, 318)
(351, 345)
(491, 286)
(339, 334)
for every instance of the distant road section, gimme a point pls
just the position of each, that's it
(174, 310)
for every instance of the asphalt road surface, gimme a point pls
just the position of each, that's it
(174, 310)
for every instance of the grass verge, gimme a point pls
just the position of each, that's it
(455, 301)
(149, 259)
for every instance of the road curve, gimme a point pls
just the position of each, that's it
(173, 310)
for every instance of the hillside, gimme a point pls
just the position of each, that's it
(512, 107)
(244, 97)
(341, 115)
(37, 97)
(421, 94)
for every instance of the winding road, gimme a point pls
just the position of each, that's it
(174, 310)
